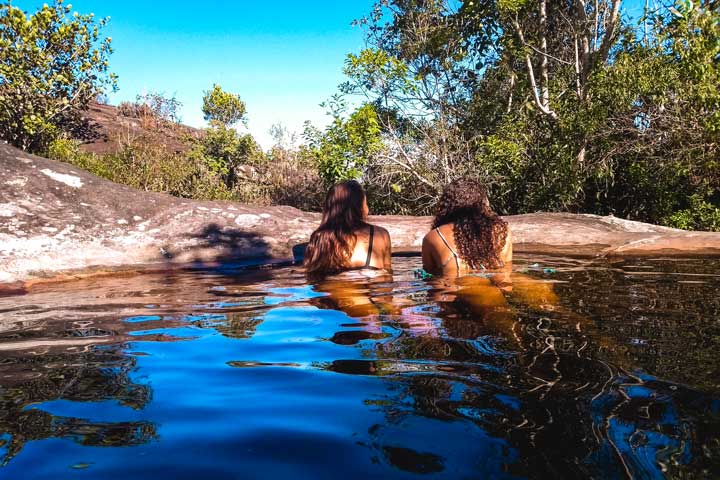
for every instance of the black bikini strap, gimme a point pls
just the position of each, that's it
(370, 245)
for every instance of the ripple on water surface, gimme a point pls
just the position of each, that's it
(567, 369)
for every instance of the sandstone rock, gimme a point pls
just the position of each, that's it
(56, 219)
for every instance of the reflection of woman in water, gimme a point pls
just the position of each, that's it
(348, 258)
(357, 295)
(344, 240)
(467, 236)
(469, 252)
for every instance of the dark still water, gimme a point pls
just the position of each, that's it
(573, 369)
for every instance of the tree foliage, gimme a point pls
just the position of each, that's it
(347, 145)
(555, 105)
(223, 108)
(52, 64)
(222, 148)
(568, 106)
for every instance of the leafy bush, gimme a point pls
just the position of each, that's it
(290, 177)
(152, 107)
(223, 150)
(284, 178)
(147, 165)
(701, 215)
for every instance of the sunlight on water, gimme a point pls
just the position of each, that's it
(573, 368)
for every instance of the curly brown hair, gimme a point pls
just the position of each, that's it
(480, 234)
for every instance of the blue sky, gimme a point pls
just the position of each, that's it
(282, 57)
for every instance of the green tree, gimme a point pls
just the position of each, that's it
(347, 145)
(555, 105)
(662, 137)
(222, 148)
(223, 108)
(52, 64)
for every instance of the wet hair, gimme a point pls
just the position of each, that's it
(331, 245)
(480, 234)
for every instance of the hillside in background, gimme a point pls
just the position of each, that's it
(111, 127)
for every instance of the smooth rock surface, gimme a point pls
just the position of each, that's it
(56, 219)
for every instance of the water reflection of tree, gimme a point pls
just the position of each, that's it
(240, 306)
(102, 373)
(547, 380)
(239, 325)
(659, 322)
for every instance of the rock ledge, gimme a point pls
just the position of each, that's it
(56, 219)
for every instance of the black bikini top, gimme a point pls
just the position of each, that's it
(369, 254)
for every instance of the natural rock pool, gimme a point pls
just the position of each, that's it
(577, 369)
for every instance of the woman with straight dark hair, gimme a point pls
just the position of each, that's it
(466, 233)
(344, 240)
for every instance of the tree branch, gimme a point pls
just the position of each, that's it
(531, 73)
(610, 31)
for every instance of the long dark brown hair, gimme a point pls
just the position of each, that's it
(480, 234)
(331, 245)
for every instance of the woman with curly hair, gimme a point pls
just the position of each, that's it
(466, 234)
(344, 240)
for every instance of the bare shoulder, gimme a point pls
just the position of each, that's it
(430, 238)
(441, 234)
(381, 230)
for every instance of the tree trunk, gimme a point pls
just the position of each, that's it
(580, 159)
(544, 61)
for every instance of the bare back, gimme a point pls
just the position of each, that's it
(440, 255)
(372, 248)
